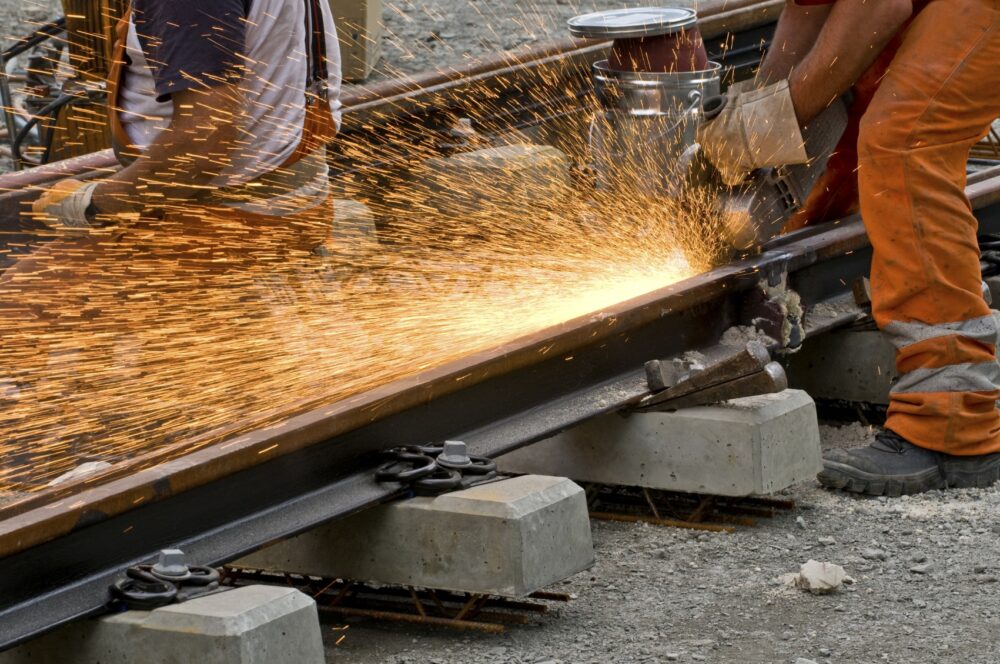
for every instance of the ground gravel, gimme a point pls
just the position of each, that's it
(424, 34)
(926, 590)
(20, 17)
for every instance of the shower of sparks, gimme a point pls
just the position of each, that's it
(158, 331)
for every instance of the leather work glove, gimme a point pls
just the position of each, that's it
(67, 205)
(750, 129)
(739, 87)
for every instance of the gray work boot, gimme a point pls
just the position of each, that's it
(969, 472)
(892, 466)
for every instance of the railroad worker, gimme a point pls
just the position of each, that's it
(220, 110)
(926, 88)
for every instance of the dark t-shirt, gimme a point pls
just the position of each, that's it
(191, 43)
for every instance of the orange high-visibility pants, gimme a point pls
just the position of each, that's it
(938, 97)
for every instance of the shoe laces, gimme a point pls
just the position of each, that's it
(889, 441)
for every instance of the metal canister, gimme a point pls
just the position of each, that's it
(648, 120)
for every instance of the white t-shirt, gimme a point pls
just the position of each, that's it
(273, 83)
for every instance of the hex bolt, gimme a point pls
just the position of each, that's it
(171, 565)
(454, 455)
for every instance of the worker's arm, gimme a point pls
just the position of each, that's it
(758, 128)
(193, 49)
(853, 35)
(183, 159)
(797, 31)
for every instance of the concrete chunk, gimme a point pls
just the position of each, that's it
(754, 445)
(821, 578)
(249, 625)
(510, 537)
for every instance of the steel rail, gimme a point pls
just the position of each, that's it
(566, 58)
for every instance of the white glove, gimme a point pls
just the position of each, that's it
(65, 204)
(755, 129)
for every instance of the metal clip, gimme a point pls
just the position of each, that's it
(748, 372)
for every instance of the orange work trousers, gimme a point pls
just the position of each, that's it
(916, 114)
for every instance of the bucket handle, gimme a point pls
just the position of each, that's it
(694, 97)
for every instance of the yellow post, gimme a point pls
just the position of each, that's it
(359, 27)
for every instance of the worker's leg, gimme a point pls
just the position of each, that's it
(939, 96)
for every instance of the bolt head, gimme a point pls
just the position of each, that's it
(455, 453)
(171, 563)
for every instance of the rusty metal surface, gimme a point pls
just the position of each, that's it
(677, 381)
(681, 510)
(423, 606)
(60, 552)
(516, 396)
(769, 379)
(142, 480)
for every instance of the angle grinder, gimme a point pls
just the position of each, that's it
(655, 89)
(757, 209)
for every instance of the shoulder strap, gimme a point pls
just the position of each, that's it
(317, 73)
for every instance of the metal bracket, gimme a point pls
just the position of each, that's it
(773, 308)
(746, 372)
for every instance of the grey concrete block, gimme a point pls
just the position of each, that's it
(503, 538)
(250, 625)
(754, 445)
(847, 365)
(508, 178)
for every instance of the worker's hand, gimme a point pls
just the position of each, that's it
(754, 129)
(65, 205)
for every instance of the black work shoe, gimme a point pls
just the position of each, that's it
(969, 472)
(891, 466)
